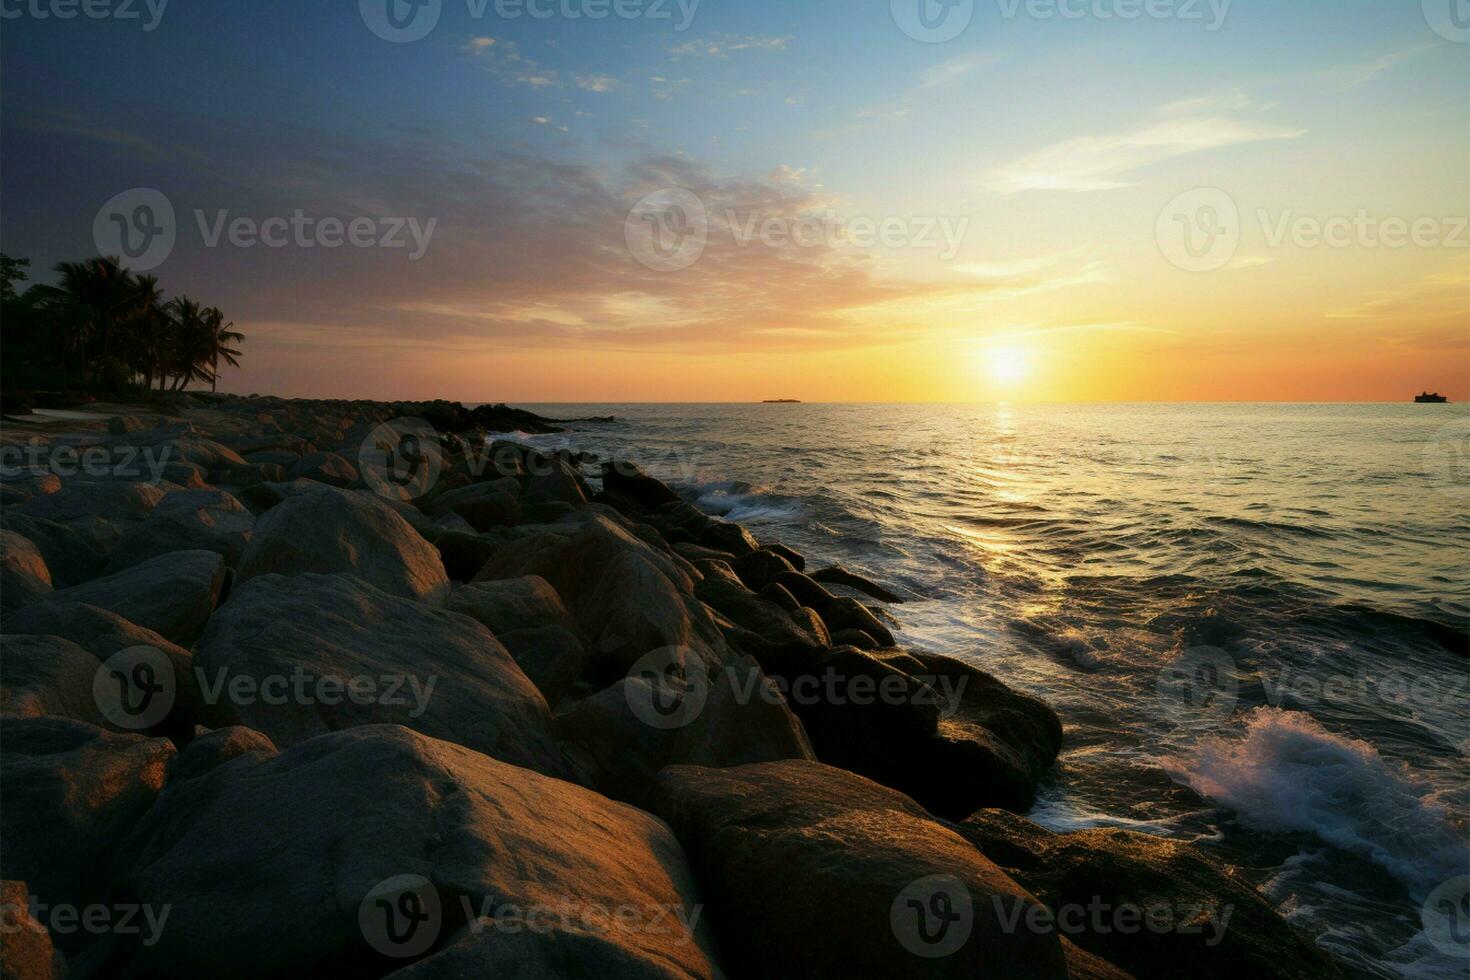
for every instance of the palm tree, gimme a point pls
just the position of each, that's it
(98, 295)
(221, 335)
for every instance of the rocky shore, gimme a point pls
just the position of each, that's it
(351, 688)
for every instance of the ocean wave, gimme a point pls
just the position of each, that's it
(1287, 773)
(738, 501)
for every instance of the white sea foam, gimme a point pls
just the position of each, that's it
(1288, 773)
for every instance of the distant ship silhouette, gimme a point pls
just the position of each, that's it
(782, 401)
(1428, 399)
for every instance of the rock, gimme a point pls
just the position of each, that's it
(364, 657)
(121, 425)
(464, 554)
(628, 599)
(25, 945)
(316, 842)
(553, 657)
(845, 612)
(172, 595)
(686, 712)
(72, 792)
(102, 511)
(1209, 914)
(103, 634)
(692, 552)
(509, 604)
(841, 576)
(218, 747)
(46, 675)
(721, 590)
(727, 537)
(758, 568)
(71, 557)
(554, 481)
(796, 560)
(806, 592)
(188, 520)
(496, 496)
(684, 516)
(854, 638)
(629, 480)
(23, 572)
(328, 468)
(323, 529)
(766, 839)
(190, 476)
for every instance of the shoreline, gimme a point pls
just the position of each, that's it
(738, 719)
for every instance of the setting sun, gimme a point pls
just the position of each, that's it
(1007, 365)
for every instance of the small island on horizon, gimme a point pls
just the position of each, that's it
(782, 401)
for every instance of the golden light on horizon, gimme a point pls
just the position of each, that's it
(1007, 365)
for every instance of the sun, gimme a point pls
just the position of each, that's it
(1007, 365)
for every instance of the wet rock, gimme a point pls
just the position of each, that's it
(854, 638)
(364, 657)
(765, 839)
(316, 842)
(172, 595)
(1205, 914)
(757, 569)
(796, 560)
(629, 480)
(841, 576)
(722, 590)
(725, 536)
(323, 529)
(844, 613)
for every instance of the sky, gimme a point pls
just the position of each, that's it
(732, 200)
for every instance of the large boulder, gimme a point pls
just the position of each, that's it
(105, 634)
(295, 657)
(324, 529)
(328, 468)
(23, 572)
(46, 675)
(722, 590)
(950, 735)
(26, 952)
(504, 605)
(628, 598)
(812, 871)
(188, 520)
(553, 480)
(364, 850)
(100, 512)
(72, 792)
(627, 479)
(1164, 902)
(172, 594)
(71, 557)
(679, 713)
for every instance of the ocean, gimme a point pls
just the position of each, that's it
(1253, 620)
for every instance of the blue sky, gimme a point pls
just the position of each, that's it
(1056, 139)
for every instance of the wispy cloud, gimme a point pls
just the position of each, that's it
(1096, 163)
(948, 72)
(1353, 76)
(724, 45)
